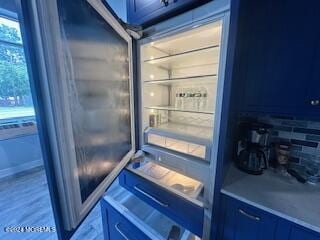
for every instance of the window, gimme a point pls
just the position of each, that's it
(15, 94)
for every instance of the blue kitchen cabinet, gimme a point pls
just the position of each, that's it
(279, 59)
(298, 233)
(146, 12)
(241, 221)
(291, 231)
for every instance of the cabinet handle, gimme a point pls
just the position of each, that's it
(315, 102)
(249, 215)
(120, 232)
(165, 2)
(151, 197)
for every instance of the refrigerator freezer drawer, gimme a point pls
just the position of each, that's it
(116, 226)
(184, 212)
(169, 179)
(127, 217)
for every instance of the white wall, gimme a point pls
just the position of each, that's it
(19, 154)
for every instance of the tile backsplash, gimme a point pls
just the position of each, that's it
(304, 135)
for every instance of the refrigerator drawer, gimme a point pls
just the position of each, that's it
(119, 227)
(191, 146)
(127, 217)
(186, 211)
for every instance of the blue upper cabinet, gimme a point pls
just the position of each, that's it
(146, 12)
(279, 57)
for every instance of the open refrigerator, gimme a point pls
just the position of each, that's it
(86, 98)
(179, 81)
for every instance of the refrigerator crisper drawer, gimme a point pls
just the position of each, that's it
(192, 146)
(182, 210)
(127, 217)
(117, 226)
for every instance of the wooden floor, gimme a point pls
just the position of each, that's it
(25, 201)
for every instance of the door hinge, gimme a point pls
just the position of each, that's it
(134, 31)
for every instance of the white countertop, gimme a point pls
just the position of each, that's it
(277, 194)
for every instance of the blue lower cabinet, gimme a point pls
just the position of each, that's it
(118, 227)
(180, 210)
(291, 231)
(244, 222)
(241, 221)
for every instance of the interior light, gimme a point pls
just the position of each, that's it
(151, 57)
(151, 76)
(152, 94)
(152, 43)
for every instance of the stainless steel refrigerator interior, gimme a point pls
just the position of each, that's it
(181, 75)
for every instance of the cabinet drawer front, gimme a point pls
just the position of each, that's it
(245, 222)
(119, 227)
(185, 213)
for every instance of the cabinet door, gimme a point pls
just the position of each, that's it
(280, 47)
(298, 233)
(83, 90)
(138, 9)
(146, 12)
(291, 231)
(313, 94)
(251, 61)
(244, 222)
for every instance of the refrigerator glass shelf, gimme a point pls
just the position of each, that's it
(198, 57)
(195, 38)
(187, 130)
(168, 81)
(189, 148)
(171, 108)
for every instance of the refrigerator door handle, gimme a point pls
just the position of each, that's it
(117, 227)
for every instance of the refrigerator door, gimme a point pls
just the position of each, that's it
(82, 66)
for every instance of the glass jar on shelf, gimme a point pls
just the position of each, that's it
(154, 118)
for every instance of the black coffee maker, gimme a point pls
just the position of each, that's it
(252, 147)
